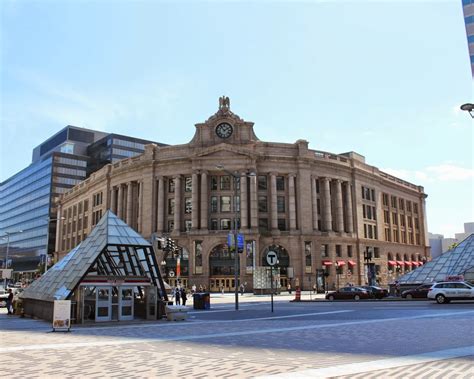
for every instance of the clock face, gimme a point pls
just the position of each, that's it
(224, 130)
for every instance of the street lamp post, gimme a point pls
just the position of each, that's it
(468, 107)
(8, 234)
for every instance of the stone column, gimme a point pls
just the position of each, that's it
(195, 201)
(113, 201)
(292, 201)
(204, 201)
(327, 217)
(273, 202)
(177, 204)
(339, 207)
(160, 211)
(244, 221)
(140, 206)
(120, 202)
(349, 217)
(253, 203)
(314, 201)
(129, 216)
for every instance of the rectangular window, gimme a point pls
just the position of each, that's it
(213, 183)
(307, 253)
(318, 206)
(225, 183)
(372, 193)
(188, 225)
(214, 224)
(402, 220)
(281, 224)
(188, 205)
(417, 223)
(74, 210)
(408, 206)
(170, 225)
(415, 208)
(281, 204)
(79, 208)
(324, 251)
(225, 224)
(317, 185)
(225, 204)
(412, 241)
(338, 251)
(188, 184)
(395, 235)
(262, 182)
(369, 230)
(394, 201)
(387, 235)
(171, 206)
(262, 204)
(394, 218)
(401, 204)
(86, 205)
(349, 251)
(263, 224)
(385, 199)
(280, 183)
(404, 237)
(213, 204)
(386, 217)
(171, 185)
(410, 222)
(376, 252)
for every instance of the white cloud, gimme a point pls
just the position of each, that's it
(440, 173)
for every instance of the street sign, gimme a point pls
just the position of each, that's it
(6, 273)
(272, 258)
(230, 240)
(240, 241)
(171, 274)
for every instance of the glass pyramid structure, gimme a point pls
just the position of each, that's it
(111, 249)
(458, 261)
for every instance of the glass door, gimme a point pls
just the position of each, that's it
(102, 309)
(126, 303)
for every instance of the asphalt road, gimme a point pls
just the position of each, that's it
(318, 339)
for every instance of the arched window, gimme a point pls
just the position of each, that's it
(221, 261)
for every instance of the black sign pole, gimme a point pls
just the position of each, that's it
(271, 278)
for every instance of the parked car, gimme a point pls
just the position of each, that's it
(3, 299)
(376, 292)
(444, 292)
(355, 293)
(420, 292)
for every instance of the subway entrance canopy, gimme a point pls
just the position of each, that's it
(455, 262)
(111, 275)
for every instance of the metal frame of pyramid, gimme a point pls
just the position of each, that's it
(458, 261)
(112, 249)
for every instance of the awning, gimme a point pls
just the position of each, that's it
(408, 263)
(340, 263)
(351, 263)
(392, 263)
(400, 263)
(327, 263)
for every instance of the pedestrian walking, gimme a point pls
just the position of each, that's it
(314, 288)
(222, 289)
(288, 287)
(242, 289)
(200, 288)
(183, 295)
(177, 296)
(10, 302)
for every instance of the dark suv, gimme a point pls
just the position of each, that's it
(420, 292)
(376, 292)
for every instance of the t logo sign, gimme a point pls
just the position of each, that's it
(272, 258)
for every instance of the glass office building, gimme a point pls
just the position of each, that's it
(27, 199)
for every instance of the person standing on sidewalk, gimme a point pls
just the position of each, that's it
(10, 302)
(183, 295)
(177, 296)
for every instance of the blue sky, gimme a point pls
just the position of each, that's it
(382, 78)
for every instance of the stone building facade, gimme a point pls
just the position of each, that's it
(324, 214)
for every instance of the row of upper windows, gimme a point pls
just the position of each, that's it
(469, 19)
(30, 196)
(125, 153)
(16, 222)
(224, 183)
(399, 203)
(324, 251)
(396, 217)
(70, 171)
(26, 208)
(14, 182)
(394, 236)
(368, 193)
(125, 143)
(70, 161)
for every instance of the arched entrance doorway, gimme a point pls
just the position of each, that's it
(283, 262)
(221, 269)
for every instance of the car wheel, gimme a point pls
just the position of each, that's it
(409, 296)
(331, 297)
(441, 299)
(356, 297)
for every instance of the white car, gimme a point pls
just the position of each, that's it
(444, 292)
